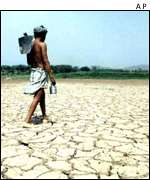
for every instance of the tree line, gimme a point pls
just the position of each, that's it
(65, 69)
(25, 69)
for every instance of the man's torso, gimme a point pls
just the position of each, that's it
(35, 56)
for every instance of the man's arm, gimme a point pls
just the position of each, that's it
(29, 59)
(46, 62)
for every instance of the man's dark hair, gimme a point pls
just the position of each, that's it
(40, 34)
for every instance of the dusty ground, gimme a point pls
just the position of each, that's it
(99, 130)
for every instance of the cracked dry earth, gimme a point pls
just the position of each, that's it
(99, 131)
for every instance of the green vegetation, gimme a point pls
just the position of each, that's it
(67, 71)
(104, 75)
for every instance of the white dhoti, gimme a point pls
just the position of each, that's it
(38, 79)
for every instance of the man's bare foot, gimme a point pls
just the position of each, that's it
(45, 119)
(26, 125)
(29, 121)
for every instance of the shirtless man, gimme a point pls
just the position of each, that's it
(38, 59)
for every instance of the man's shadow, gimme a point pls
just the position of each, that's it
(37, 119)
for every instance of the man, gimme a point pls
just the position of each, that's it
(40, 69)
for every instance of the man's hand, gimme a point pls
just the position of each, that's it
(53, 81)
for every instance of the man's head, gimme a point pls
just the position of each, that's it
(40, 32)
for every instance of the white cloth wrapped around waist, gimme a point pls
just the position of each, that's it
(38, 79)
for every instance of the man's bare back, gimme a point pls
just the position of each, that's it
(35, 56)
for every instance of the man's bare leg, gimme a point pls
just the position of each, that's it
(43, 109)
(33, 106)
(42, 103)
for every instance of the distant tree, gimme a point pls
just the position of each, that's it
(75, 69)
(54, 68)
(63, 68)
(21, 68)
(5, 68)
(15, 69)
(84, 68)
